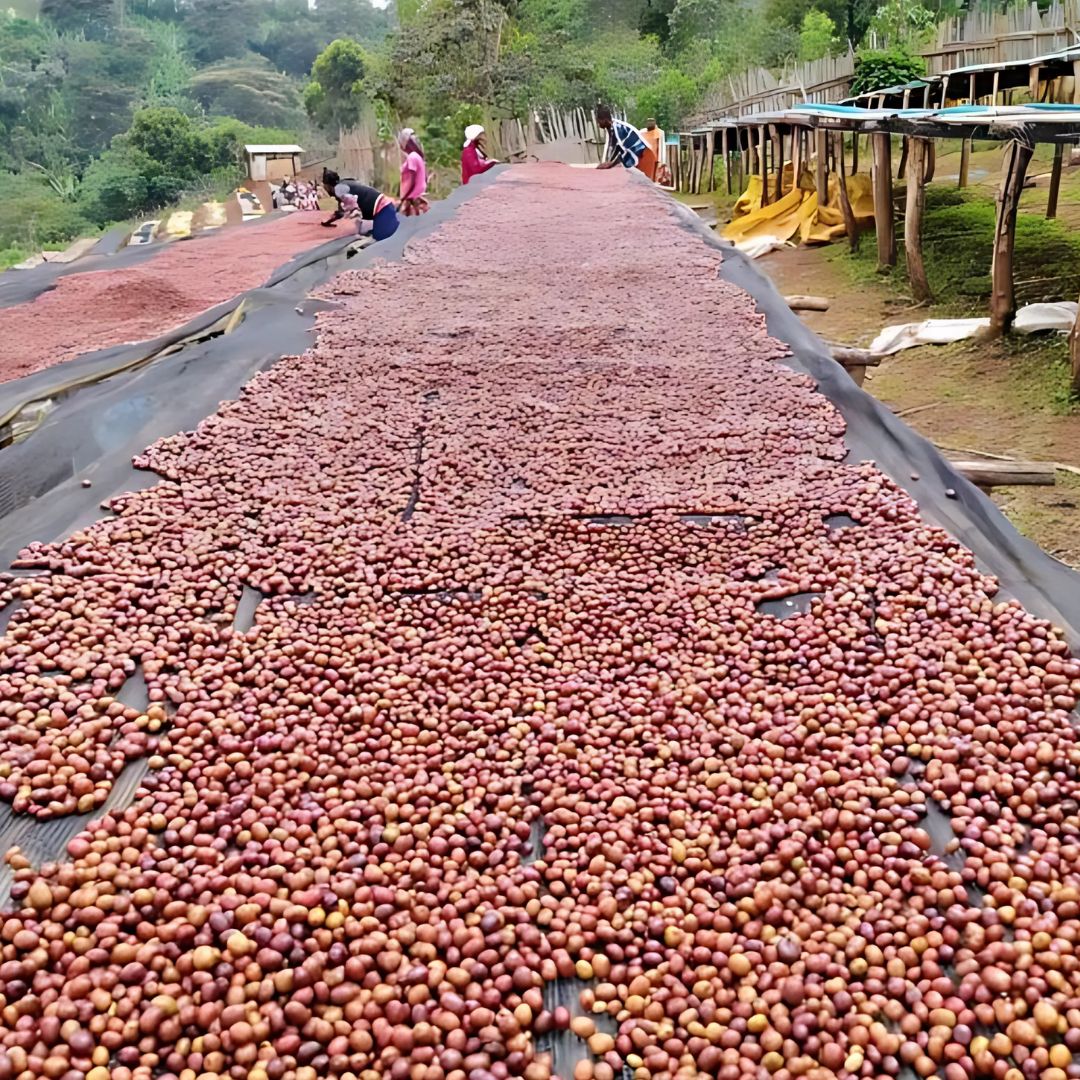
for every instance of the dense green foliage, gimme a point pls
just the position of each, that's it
(113, 108)
(876, 69)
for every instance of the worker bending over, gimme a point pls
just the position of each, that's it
(625, 145)
(377, 213)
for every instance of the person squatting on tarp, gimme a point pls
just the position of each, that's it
(625, 146)
(378, 215)
(474, 159)
(413, 175)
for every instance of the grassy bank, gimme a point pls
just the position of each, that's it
(958, 238)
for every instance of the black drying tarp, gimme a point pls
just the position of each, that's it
(93, 366)
(94, 433)
(109, 253)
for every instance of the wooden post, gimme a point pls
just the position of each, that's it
(854, 152)
(965, 162)
(821, 172)
(1055, 180)
(743, 169)
(851, 226)
(997, 84)
(1074, 353)
(763, 162)
(1033, 81)
(971, 89)
(1003, 295)
(916, 202)
(710, 150)
(931, 161)
(796, 156)
(883, 200)
(1076, 82)
(778, 147)
(726, 142)
(901, 169)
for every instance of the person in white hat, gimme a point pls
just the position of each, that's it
(474, 160)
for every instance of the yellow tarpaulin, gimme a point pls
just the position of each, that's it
(798, 211)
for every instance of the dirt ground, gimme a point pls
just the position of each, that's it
(986, 397)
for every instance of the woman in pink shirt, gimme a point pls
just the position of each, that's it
(413, 175)
(473, 159)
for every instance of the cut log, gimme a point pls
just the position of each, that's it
(849, 356)
(987, 474)
(807, 303)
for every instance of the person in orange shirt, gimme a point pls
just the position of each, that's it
(654, 140)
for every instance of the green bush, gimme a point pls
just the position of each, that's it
(877, 69)
(669, 98)
(35, 216)
(116, 186)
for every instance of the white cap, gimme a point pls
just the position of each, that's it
(473, 132)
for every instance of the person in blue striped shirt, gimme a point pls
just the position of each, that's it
(625, 146)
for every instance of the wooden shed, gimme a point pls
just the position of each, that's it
(272, 163)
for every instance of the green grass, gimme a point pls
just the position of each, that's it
(1039, 374)
(958, 237)
(10, 256)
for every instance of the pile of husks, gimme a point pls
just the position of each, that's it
(515, 516)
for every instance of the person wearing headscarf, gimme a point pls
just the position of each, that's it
(624, 145)
(413, 175)
(377, 212)
(474, 159)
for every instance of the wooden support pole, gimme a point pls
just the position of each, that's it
(763, 162)
(796, 156)
(1074, 353)
(916, 203)
(726, 140)
(884, 222)
(851, 226)
(778, 147)
(996, 90)
(965, 163)
(821, 172)
(901, 169)
(1003, 294)
(1055, 181)
(1076, 82)
(854, 152)
(931, 161)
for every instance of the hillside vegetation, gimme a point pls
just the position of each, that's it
(110, 109)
